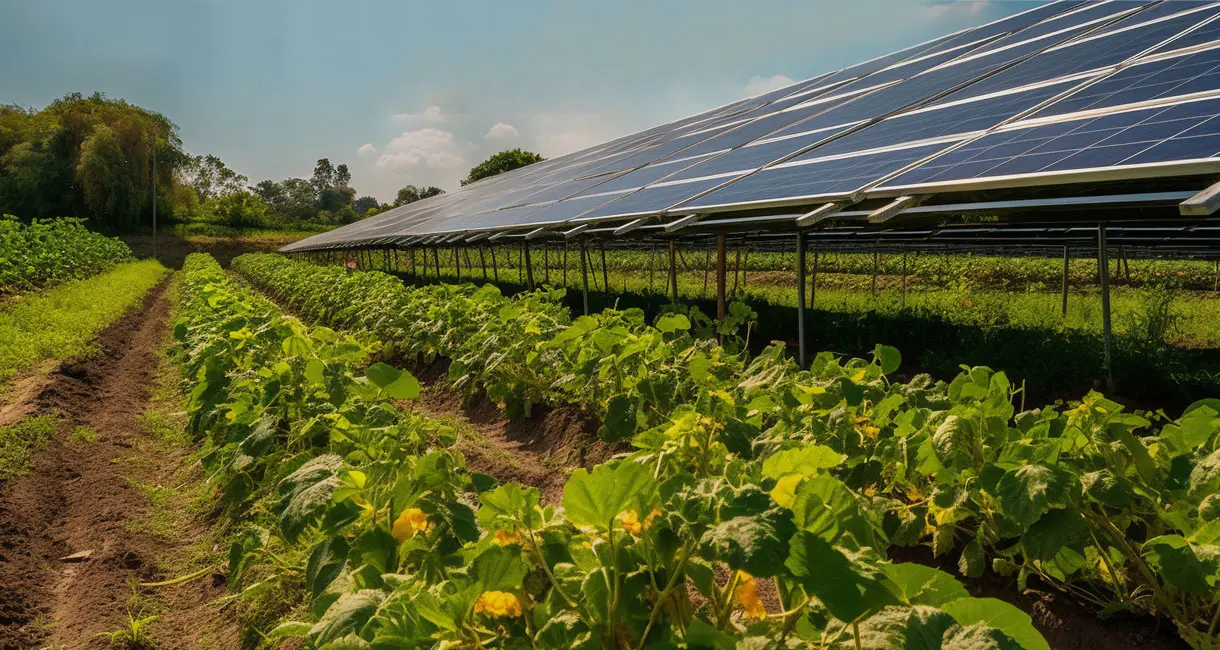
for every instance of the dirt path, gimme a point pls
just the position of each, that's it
(90, 492)
(540, 451)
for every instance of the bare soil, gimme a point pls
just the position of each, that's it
(540, 450)
(1066, 623)
(80, 498)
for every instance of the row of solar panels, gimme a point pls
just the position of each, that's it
(1064, 92)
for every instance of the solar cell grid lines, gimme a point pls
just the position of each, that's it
(1181, 132)
(1064, 92)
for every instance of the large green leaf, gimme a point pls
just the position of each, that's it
(1000, 615)
(346, 616)
(1188, 567)
(756, 544)
(802, 460)
(890, 359)
(499, 569)
(1028, 492)
(510, 504)
(825, 507)
(978, 637)
(396, 383)
(1205, 478)
(326, 561)
(917, 584)
(849, 587)
(670, 323)
(1055, 530)
(596, 498)
(620, 419)
(905, 628)
(306, 492)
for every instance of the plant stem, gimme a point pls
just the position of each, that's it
(669, 587)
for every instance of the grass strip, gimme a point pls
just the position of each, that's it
(61, 323)
(19, 441)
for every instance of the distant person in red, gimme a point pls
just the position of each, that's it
(351, 264)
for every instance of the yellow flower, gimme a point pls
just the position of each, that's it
(411, 521)
(504, 538)
(498, 603)
(746, 595)
(630, 521)
(867, 430)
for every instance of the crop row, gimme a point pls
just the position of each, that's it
(365, 514)
(1100, 502)
(51, 251)
(522, 350)
(926, 270)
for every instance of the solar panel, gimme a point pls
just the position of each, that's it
(1062, 92)
(1179, 133)
(1127, 38)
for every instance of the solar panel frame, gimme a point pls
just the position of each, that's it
(583, 186)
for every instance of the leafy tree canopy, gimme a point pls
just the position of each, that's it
(502, 162)
(411, 194)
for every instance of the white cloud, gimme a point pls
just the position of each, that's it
(501, 131)
(367, 149)
(759, 85)
(424, 148)
(432, 115)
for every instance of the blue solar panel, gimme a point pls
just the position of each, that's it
(1143, 30)
(1206, 34)
(829, 178)
(1165, 78)
(972, 116)
(1163, 134)
(647, 200)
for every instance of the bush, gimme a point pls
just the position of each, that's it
(240, 209)
(50, 251)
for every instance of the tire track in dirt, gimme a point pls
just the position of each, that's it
(79, 497)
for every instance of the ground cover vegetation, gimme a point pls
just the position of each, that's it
(368, 519)
(43, 253)
(60, 323)
(1117, 508)
(1165, 350)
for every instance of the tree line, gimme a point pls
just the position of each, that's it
(93, 157)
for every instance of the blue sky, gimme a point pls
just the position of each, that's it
(414, 92)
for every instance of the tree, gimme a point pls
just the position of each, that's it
(270, 191)
(343, 177)
(211, 177)
(411, 194)
(323, 176)
(108, 190)
(500, 163)
(336, 198)
(363, 204)
(88, 157)
(239, 209)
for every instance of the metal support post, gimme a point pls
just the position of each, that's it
(1103, 270)
(800, 297)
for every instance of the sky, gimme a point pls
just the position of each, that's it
(408, 92)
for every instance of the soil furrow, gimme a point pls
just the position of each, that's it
(70, 547)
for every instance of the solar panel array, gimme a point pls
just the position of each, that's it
(1066, 92)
